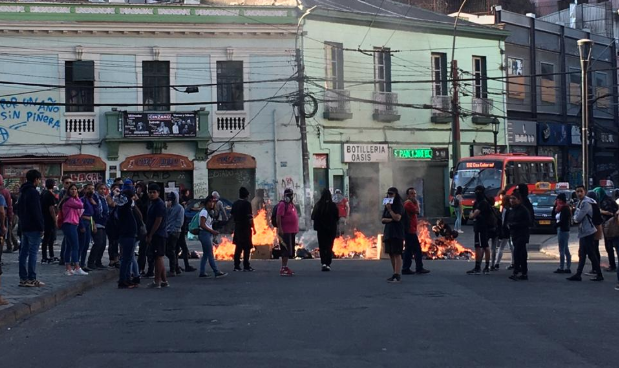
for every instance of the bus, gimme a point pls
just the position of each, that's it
(497, 172)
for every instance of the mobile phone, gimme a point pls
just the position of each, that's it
(387, 201)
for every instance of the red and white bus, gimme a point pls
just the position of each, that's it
(498, 172)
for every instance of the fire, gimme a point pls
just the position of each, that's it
(439, 248)
(265, 235)
(347, 247)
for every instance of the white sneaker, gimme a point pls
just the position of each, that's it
(80, 272)
(460, 232)
(68, 272)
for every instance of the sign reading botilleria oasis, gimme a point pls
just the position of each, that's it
(366, 152)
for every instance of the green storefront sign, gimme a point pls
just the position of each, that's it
(413, 154)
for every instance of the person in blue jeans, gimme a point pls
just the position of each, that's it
(562, 214)
(32, 227)
(206, 238)
(85, 226)
(128, 217)
(457, 206)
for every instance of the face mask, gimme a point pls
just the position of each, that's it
(287, 199)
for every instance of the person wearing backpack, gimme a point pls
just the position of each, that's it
(481, 214)
(583, 216)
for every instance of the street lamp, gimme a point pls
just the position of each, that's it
(584, 47)
(495, 131)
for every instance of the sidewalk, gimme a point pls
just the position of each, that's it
(551, 247)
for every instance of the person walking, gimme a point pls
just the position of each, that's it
(287, 229)
(456, 203)
(563, 217)
(206, 239)
(32, 226)
(413, 246)
(393, 233)
(174, 223)
(583, 216)
(99, 236)
(504, 238)
(156, 235)
(518, 222)
(127, 235)
(49, 204)
(608, 208)
(481, 214)
(71, 208)
(242, 214)
(325, 216)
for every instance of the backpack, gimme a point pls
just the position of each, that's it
(274, 215)
(194, 225)
(494, 220)
(455, 202)
(597, 216)
(111, 227)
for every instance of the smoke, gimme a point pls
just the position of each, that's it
(309, 239)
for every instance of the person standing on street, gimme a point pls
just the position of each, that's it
(206, 239)
(504, 238)
(343, 208)
(66, 182)
(48, 206)
(243, 229)
(71, 207)
(156, 235)
(608, 208)
(413, 246)
(32, 226)
(127, 235)
(85, 227)
(518, 221)
(481, 214)
(393, 234)
(100, 217)
(563, 217)
(287, 229)
(3, 229)
(10, 248)
(583, 216)
(174, 223)
(325, 216)
(457, 206)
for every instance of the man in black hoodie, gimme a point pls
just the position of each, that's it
(32, 226)
(523, 189)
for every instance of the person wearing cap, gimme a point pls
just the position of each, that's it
(220, 211)
(481, 213)
(287, 229)
(562, 214)
(8, 216)
(48, 206)
(174, 223)
(243, 230)
(156, 235)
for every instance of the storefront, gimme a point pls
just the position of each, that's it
(229, 171)
(85, 169)
(425, 169)
(522, 136)
(605, 153)
(552, 140)
(574, 158)
(14, 169)
(168, 170)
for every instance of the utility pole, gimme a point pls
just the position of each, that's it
(307, 210)
(455, 111)
(585, 46)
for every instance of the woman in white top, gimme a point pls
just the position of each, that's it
(457, 205)
(206, 238)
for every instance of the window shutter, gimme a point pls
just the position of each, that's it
(387, 59)
(340, 67)
(329, 67)
(484, 78)
(444, 75)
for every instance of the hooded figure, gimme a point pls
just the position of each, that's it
(583, 216)
(523, 189)
(176, 215)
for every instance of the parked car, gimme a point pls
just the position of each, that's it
(543, 204)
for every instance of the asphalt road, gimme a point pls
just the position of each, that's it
(350, 317)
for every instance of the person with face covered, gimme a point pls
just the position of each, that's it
(481, 213)
(287, 229)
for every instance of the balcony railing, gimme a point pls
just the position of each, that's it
(81, 126)
(482, 108)
(384, 106)
(337, 105)
(230, 124)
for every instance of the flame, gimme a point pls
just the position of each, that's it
(348, 247)
(265, 235)
(440, 248)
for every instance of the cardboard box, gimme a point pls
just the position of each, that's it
(262, 252)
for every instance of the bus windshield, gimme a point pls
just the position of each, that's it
(469, 175)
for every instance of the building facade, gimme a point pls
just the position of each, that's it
(187, 96)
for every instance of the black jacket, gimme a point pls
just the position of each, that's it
(518, 220)
(29, 208)
(326, 216)
(529, 206)
(565, 218)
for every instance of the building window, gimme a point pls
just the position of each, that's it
(156, 85)
(480, 87)
(382, 69)
(79, 86)
(230, 86)
(439, 74)
(601, 90)
(334, 53)
(515, 72)
(547, 85)
(575, 81)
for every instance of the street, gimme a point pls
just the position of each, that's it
(350, 317)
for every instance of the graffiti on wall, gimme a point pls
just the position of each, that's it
(17, 113)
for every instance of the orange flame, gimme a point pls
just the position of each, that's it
(265, 235)
(439, 248)
(346, 247)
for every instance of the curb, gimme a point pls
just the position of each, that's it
(23, 310)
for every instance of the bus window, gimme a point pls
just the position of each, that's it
(523, 173)
(534, 173)
(509, 173)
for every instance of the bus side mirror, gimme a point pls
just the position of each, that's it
(451, 173)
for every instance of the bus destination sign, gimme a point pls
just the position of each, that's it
(479, 165)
